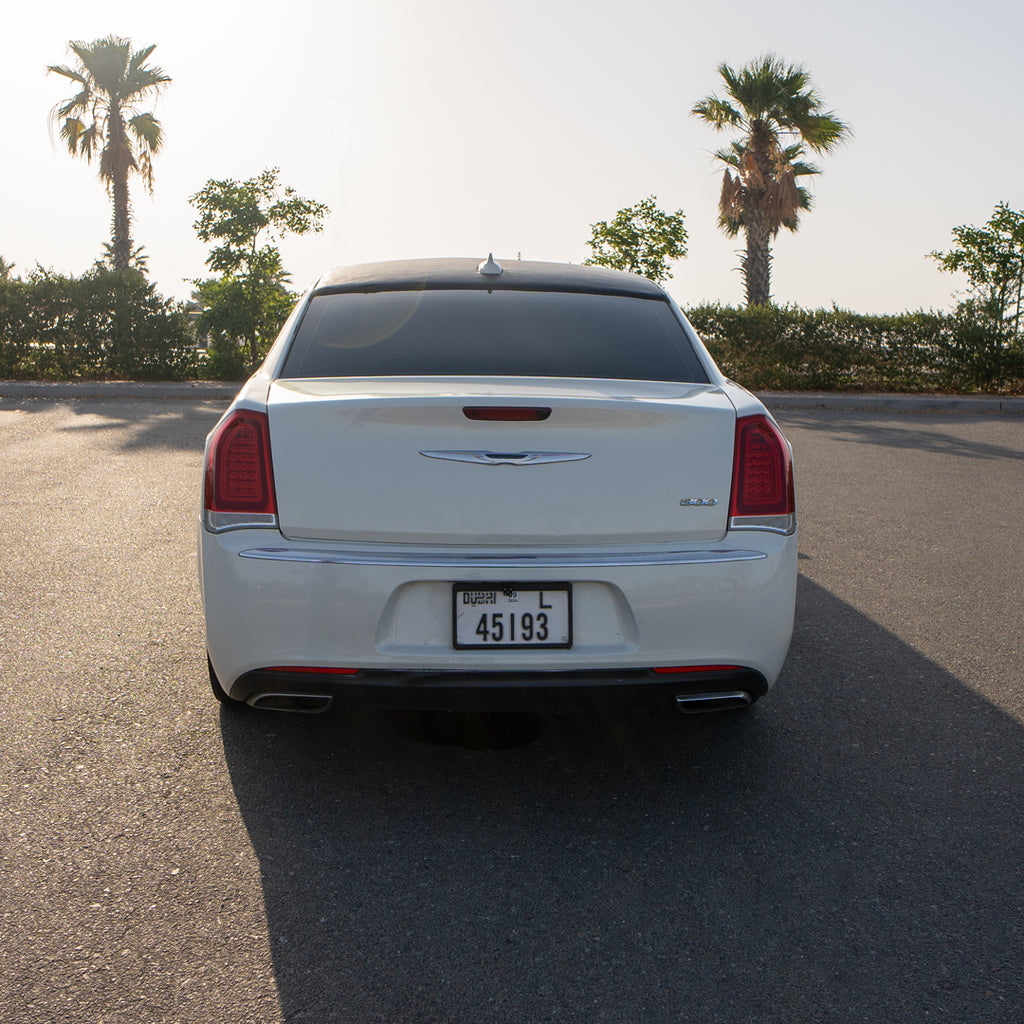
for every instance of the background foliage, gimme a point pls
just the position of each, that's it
(112, 324)
(243, 220)
(105, 324)
(640, 239)
(232, 311)
(992, 257)
(787, 348)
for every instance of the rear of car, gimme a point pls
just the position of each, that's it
(455, 486)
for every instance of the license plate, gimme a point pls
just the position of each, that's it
(490, 615)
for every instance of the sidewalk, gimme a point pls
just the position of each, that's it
(217, 391)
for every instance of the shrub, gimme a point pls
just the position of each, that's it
(106, 323)
(791, 349)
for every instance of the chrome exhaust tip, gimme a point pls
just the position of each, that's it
(697, 703)
(300, 703)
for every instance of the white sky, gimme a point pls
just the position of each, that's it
(457, 127)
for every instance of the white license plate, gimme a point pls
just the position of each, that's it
(488, 615)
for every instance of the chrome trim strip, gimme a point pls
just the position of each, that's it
(221, 522)
(693, 703)
(296, 703)
(491, 561)
(784, 524)
(507, 458)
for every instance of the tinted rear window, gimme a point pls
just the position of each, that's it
(498, 333)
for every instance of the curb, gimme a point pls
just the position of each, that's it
(202, 390)
(774, 400)
(978, 404)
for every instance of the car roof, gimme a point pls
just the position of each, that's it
(462, 272)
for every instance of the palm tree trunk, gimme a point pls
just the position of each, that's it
(121, 240)
(757, 267)
(760, 179)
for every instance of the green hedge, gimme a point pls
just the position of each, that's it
(103, 324)
(768, 348)
(113, 324)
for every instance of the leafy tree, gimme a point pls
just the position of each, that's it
(104, 118)
(640, 239)
(225, 320)
(244, 219)
(992, 257)
(769, 103)
(6, 266)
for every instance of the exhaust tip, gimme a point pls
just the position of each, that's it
(697, 703)
(300, 703)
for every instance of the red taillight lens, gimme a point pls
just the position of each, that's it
(239, 477)
(506, 413)
(676, 670)
(315, 670)
(762, 483)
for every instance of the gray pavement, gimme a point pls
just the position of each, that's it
(849, 850)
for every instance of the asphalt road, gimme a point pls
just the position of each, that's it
(851, 849)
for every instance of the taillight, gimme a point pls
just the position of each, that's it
(313, 670)
(239, 478)
(678, 670)
(506, 413)
(763, 496)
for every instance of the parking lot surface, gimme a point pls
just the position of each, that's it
(850, 849)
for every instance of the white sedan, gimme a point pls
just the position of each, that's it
(456, 484)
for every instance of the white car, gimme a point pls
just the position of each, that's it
(461, 485)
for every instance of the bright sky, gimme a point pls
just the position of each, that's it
(458, 127)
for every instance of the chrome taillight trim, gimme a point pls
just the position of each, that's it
(784, 524)
(503, 561)
(221, 522)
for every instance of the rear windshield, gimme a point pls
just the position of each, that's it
(498, 333)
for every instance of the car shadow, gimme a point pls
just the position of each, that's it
(915, 431)
(169, 424)
(848, 849)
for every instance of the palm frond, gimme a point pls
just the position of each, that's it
(780, 203)
(805, 201)
(800, 169)
(116, 161)
(141, 56)
(147, 130)
(823, 132)
(718, 113)
(731, 204)
(66, 72)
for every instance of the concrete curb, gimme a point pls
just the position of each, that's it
(775, 400)
(965, 404)
(201, 390)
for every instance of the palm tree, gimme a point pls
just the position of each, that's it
(104, 117)
(779, 114)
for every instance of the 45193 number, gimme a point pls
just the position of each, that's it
(497, 627)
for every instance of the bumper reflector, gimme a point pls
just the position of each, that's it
(673, 670)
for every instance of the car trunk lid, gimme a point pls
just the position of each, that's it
(393, 460)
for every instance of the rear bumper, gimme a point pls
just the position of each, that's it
(499, 691)
(273, 602)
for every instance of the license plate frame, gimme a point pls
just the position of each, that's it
(552, 600)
